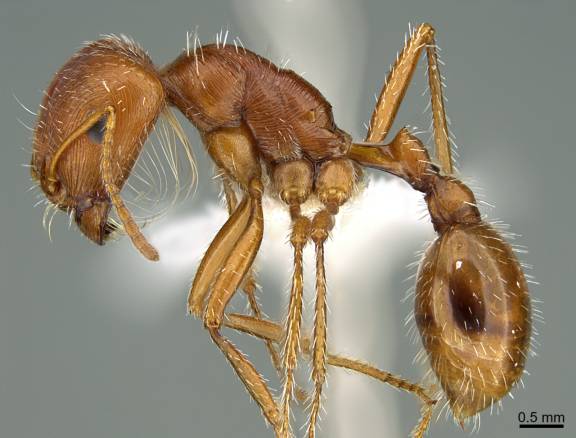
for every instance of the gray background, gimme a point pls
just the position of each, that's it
(94, 342)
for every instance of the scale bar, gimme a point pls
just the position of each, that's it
(541, 426)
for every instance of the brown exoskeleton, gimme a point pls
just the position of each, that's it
(472, 304)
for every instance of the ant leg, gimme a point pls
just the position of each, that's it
(249, 289)
(259, 328)
(227, 282)
(234, 151)
(405, 156)
(239, 262)
(395, 88)
(216, 255)
(271, 331)
(300, 393)
(234, 271)
(322, 224)
(335, 183)
(428, 403)
(293, 181)
(250, 377)
(249, 286)
(487, 282)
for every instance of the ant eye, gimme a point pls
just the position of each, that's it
(96, 132)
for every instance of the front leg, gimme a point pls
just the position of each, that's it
(226, 284)
(249, 286)
(233, 150)
(239, 261)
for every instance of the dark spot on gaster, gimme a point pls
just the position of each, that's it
(467, 297)
(96, 132)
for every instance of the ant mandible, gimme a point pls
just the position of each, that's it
(472, 305)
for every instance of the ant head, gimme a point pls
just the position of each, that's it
(107, 95)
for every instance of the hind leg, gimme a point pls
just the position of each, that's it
(428, 402)
(335, 183)
(271, 331)
(395, 88)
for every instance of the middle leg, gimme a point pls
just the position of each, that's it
(293, 181)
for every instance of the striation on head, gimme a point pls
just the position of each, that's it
(111, 73)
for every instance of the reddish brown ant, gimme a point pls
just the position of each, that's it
(472, 303)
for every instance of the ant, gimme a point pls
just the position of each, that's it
(271, 132)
